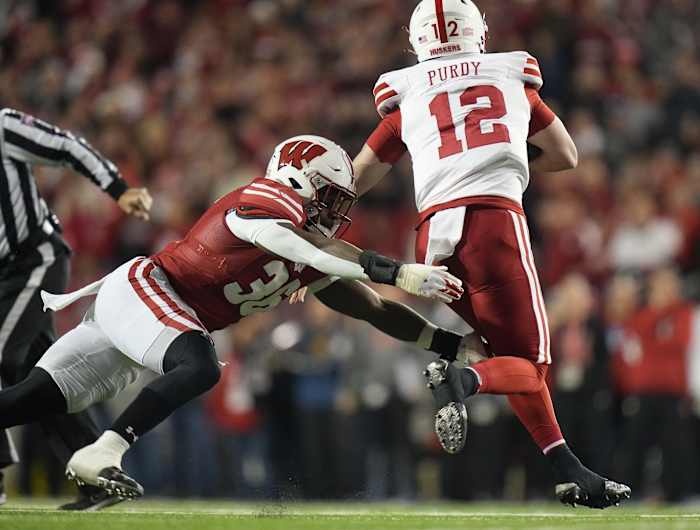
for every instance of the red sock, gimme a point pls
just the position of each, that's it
(510, 375)
(536, 413)
(524, 383)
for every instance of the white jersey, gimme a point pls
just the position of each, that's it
(465, 121)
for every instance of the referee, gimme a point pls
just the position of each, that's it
(34, 256)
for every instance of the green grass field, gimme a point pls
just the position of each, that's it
(175, 515)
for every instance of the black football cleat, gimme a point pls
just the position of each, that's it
(92, 499)
(603, 495)
(451, 420)
(113, 481)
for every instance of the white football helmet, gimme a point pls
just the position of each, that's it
(321, 172)
(447, 27)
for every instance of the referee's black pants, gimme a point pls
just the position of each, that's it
(26, 332)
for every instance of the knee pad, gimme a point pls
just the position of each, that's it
(194, 353)
(207, 370)
(510, 375)
(541, 372)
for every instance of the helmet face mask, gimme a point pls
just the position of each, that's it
(321, 172)
(441, 28)
(328, 212)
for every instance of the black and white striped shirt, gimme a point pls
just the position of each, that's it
(24, 141)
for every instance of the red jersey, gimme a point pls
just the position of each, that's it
(224, 278)
(654, 354)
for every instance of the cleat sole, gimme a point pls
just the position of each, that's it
(72, 475)
(571, 494)
(451, 427)
(117, 488)
(117, 483)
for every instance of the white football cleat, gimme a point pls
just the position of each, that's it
(86, 463)
(113, 481)
(99, 464)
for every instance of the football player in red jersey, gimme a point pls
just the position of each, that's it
(252, 249)
(466, 117)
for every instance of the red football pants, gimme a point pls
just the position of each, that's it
(489, 250)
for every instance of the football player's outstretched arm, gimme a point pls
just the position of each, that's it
(559, 151)
(369, 170)
(414, 278)
(338, 258)
(357, 300)
(383, 149)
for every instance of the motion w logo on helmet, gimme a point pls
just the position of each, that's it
(294, 153)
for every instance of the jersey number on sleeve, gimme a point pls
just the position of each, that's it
(476, 137)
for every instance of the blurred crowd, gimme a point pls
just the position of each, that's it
(189, 97)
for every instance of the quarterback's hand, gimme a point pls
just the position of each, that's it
(429, 282)
(136, 202)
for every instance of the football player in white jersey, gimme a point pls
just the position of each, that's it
(466, 118)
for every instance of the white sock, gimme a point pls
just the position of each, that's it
(107, 451)
(114, 443)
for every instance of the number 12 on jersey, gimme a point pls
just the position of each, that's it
(451, 145)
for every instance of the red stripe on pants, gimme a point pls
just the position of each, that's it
(536, 296)
(169, 301)
(150, 303)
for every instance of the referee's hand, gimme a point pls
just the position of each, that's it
(136, 202)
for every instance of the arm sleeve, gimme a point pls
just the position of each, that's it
(34, 141)
(386, 140)
(541, 115)
(279, 240)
